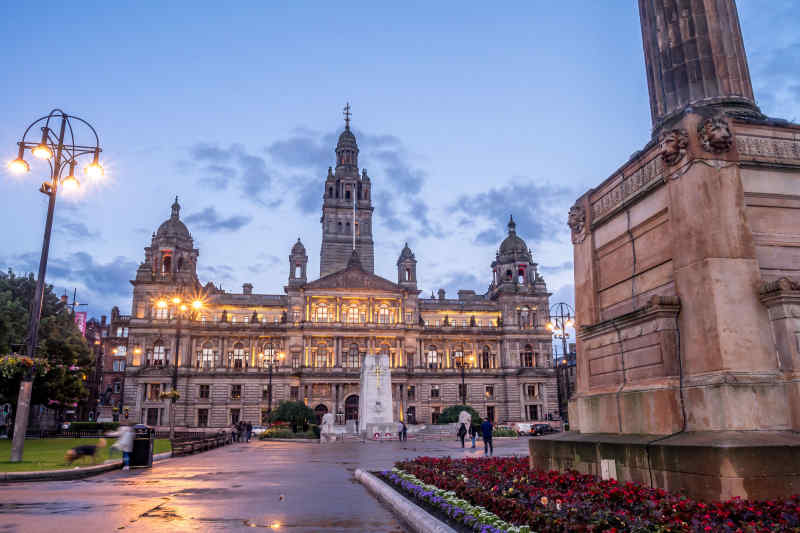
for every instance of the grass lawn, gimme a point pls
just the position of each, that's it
(48, 454)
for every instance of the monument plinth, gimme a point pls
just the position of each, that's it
(687, 278)
(375, 399)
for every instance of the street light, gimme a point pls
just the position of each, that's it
(270, 364)
(61, 152)
(562, 316)
(463, 382)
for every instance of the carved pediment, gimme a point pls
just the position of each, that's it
(353, 278)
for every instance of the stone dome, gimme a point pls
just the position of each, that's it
(405, 254)
(513, 245)
(298, 248)
(347, 141)
(173, 227)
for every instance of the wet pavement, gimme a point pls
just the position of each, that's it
(279, 486)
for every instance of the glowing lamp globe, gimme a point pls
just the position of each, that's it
(18, 166)
(94, 171)
(42, 151)
(71, 184)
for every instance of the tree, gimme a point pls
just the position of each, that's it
(297, 414)
(62, 383)
(450, 414)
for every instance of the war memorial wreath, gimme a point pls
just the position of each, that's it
(504, 495)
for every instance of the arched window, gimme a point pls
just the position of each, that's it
(207, 356)
(521, 275)
(408, 274)
(166, 264)
(321, 357)
(160, 312)
(386, 350)
(268, 355)
(321, 313)
(458, 357)
(352, 358)
(339, 226)
(238, 355)
(509, 275)
(384, 315)
(180, 264)
(351, 315)
(433, 357)
(486, 356)
(347, 194)
(159, 354)
(526, 357)
(330, 192)
(524, 317)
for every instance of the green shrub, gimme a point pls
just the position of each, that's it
(315, 430)
(283, 433)
(93, 426)
(503, 432)
(450, 414)
(297, 414)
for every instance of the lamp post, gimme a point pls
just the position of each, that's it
(562, 316)
(463, 382)
(271, 356)
(59, 149)
(182, 310)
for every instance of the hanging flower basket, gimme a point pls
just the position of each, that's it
(170, 395)
(15, 366)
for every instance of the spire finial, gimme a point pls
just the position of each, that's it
(176, 209)
(347, 116)
(512, 226)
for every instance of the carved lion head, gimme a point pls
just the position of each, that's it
(715, 135)
(673, 146)
(576, 221)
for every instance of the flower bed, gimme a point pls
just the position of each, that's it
(502, 494)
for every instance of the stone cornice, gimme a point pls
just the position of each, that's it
(656, 306)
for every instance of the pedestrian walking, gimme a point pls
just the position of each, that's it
(234, 433)
(124, 444)
(249, 430)
(404, 431)
(462, 432)
(486, 433)
(473, 433)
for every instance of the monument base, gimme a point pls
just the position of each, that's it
(381, 430)
(707, 465)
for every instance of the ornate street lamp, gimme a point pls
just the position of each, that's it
(562, 316)
(59, 148)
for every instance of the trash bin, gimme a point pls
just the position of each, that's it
(143, 441)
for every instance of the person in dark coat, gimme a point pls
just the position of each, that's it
(249, 431)
(486, 432)
(473, 433)
(404, 431)
(462, 432)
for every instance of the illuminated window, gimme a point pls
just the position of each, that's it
(321, 313)
(236, 392)
(160, 313)
(352, 358)
(269, 356)
(434, 391)
(351, 315)
(207, 356)
(321, 358)
(159, 354)
(384, 315)
(238, 355)
(433, 358)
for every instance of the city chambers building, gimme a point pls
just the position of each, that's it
(234, 356)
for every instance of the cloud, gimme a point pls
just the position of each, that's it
(453, 282)
(540, 211)
(219, 168)
(77, 230)
(309, 151)
(566, 265)
(208, 219)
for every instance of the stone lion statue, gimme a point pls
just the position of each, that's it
(715, 135)
(673, 146)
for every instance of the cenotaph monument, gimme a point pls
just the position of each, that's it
(687, 281)
(375, 399)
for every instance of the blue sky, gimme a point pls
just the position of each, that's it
(464, 114)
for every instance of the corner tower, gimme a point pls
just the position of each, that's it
(346, 209)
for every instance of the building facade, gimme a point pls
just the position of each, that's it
(234, 356)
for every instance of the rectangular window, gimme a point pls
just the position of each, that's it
(296, 316)
(294, 393)
(534, 390)
(235, 413)
(265, 392)
(409, 318)
(434, 391)
(490, 412)
(295, 361)
(236, 392)
(204, 392)
(435, 412)
(202, 418)
(155, 392)
(533, 412)
(160, 313)
(117, 387)
(412, 392)
(489, 392)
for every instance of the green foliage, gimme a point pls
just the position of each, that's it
(503, 432)
(296, 414)
(315, 430)
(450, 414)
(286, 433)
(60, 344)
(93, 426)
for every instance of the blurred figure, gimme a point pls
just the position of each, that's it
(124, 444)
